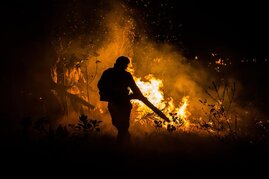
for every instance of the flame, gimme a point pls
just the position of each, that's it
(152, 89)
(182, 110)
(73, 78)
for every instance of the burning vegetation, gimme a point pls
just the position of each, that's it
(78, 76)
(174, 84)
(197, 98)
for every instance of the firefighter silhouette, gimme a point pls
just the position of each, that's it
(114, 87)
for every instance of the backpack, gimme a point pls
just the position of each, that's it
(103, 87)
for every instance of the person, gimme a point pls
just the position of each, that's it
(114, 87)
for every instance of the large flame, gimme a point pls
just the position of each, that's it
(152, 89)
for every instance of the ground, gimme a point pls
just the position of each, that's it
(154, 155)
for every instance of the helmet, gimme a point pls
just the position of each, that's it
(122, 61)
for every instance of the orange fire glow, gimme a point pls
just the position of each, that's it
(121, 42)
(152, 89)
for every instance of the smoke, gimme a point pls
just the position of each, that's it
(118, 31)
(122, 35)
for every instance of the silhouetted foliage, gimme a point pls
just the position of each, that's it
(158, 123)
(88, 124)
(85, 126)
(171, 128)
(177, 119)
(217, 108)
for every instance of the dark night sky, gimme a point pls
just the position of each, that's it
(199, 26)
(233, 28)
